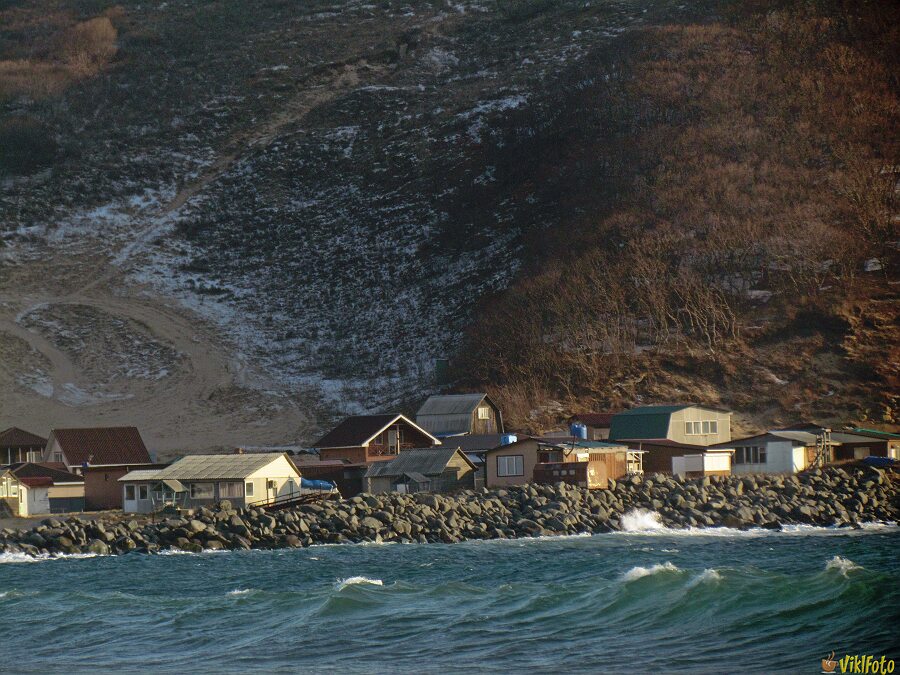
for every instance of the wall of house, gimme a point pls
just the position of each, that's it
(528, 450)
(33, 500)
(352, 455)
(598, 433)
(706, 464)
(53, 453)
(285, 475)
(31, 453)
(677, 429)
(488, 426)
(658, 459)
(102, 490)
(781, 457)
(66, 498)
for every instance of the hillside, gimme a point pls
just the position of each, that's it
(229, 226)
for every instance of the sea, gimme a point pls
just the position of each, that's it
(646, 600)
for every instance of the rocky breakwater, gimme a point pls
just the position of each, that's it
(833, 497)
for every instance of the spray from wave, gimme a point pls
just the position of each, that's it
(842, 565)
(641, 520)
(351, 581)
(240, 591)
(641, 572)
(708, 576)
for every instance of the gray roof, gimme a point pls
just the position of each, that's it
(209, 467)
(447, 414)
(426, 461)
(451, 404)
(140, 474)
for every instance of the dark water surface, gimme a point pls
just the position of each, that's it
(657, 601)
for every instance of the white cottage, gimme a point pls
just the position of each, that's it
(201, 480)
(772, 452)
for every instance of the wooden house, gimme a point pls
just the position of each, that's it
(101, 455)
(438, 469)
(455, 414)
(587, 464)
(667, 456)
(202, 480)
(18, 445)
(372, 438)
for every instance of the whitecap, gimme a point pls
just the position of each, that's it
(707, 576)
(352, 581)
(641, 572)
(240, 591)
(641, 520)
(843, 565)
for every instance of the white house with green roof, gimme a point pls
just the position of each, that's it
(688, 424)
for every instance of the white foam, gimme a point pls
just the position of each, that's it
(25, 558)
(641, 520)
(352, 581)
(843, 565)
(708, 576)
(240, 591)
(641, 572)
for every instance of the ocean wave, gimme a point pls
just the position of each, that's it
(842, 565)
(352, 581)
(43, 557)
(640, 572)
(240, 591)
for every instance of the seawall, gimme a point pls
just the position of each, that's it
(829, 497)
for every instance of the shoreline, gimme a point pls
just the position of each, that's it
(831, 498)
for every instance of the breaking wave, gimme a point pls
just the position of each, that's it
(641, 520)
(352, 581)
(842, 565)
(641, 572)
(240, 591)
(708, 576)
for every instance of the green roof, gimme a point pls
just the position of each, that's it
(877, 433)
(654, 410)
(649, 423)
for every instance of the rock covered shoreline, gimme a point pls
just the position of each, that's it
(830, 497)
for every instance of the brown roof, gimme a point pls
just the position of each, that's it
(34, 470)
(19, 438)
(359, 429)
(598, 420)
(102, 445)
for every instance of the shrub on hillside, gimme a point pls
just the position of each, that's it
(89, 45)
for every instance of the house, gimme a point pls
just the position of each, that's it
(689, 424)
(512, 463)
(437, 469)
(18, 445)
(30, 489)
(475, 445)
(101, 455)
(452, 414)
(888, 443)
(667, 456)
(588, 464)
(202, 480)
(347, 451)
(780, 451)
(597, 424)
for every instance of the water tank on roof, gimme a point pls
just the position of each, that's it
(508, 439)
(578, 430)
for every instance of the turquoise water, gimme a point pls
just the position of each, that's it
(723, 602)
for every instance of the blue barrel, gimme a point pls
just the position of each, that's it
(508, 439)
(578, 430)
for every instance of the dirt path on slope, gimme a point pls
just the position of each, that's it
(213, 397)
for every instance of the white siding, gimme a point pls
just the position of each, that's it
(781, 457)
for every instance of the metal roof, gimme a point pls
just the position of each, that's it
(209, 467)
(451, 404)
(875, 433)
(140, 474)
(427, 461)
(358, 430)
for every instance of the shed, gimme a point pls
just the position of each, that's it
(442, 469)
(29, 488)
(451, 414)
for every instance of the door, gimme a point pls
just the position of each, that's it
(129, 501)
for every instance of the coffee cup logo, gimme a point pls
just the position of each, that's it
(829, 664)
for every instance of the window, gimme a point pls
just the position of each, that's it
(248, 489)
(57, 457)
(763, 455)
(143, 492)
(484, 413)
(229, 490)
(752, 454)
(129, 493)
(511, 465)
(202, 491)
(701, 428)
(706, 427)
(713, 426)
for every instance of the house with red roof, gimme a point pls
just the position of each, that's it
(101, 455)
